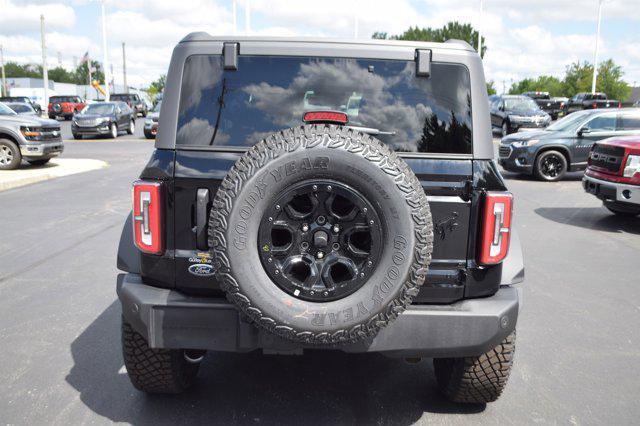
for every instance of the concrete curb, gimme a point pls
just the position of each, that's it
(58, 167)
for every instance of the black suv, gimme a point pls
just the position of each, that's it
(321, 195)
(22, 99)
(564, 146)
(133, 100)
(510, 113)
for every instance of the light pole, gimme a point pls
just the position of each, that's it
(124, 69)
(45, 72)
(4, 78)
(595, 55)
(480, 32)
(105, 61)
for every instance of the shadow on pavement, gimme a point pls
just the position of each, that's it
(597, 218)
(317, 388)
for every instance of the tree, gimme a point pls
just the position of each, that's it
(452, 30)
(157, 86)
(81, 73)
(579, 77)
(15, 70)
(544, 83)
(61, 75)
(491, 88)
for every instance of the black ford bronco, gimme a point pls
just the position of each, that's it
(322, 194)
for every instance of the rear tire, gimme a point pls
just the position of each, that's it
(149, 135)
(505, 130)
(132, 127)
(550, 166)
(76, 136)
(113, 131)
(622, 210)
(157, 370)
(10, 157)
(478, 379)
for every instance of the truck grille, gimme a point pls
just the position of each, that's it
(606, 157)
(51, 133)
(504, 151)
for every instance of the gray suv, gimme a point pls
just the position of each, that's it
(564, 146)
(33, 139)
(321, 195)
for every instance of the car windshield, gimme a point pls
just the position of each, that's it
(520, 104)
(21, 108)
(571, 122)
(157, 107)
(380, 97)
(98, 109)
(121, 97)
(5, 110)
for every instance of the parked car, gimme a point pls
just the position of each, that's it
(583, 101)
(564, 146)
(151, 123)
(22, 99)
(31, 138)
(104, 119)
(510, 113)
(133, 100)
(321, 236)
(613, 173)
(65, 106)
(552, 106)
(21, 108)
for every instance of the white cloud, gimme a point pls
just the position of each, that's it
(20, 17)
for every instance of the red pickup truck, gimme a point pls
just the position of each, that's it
(613, 174)
(64, 106)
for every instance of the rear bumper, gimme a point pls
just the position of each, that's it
(171, 319)
(612, 191)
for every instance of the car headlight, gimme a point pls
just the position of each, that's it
(528, 142)
(632, 167)
(103, 119)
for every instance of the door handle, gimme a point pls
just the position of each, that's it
(202, 208)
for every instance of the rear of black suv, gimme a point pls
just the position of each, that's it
(327, 195)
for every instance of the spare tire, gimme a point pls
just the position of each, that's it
(321, 234)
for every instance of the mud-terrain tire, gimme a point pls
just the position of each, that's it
(478, 379)
(156, 370)
(301, 156)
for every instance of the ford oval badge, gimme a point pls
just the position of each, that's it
(201, 269)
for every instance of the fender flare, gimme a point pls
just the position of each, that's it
(128, 253)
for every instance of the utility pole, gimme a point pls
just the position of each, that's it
(4, 78)
(124, 69)
(595, 55)
(45, 72)
(235, 16)
(247, 17)
(105, 61)
(480, 32)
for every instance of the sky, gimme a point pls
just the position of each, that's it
(525, 38)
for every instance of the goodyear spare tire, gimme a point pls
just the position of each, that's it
(321, 234)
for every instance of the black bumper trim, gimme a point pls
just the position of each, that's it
(170, 319)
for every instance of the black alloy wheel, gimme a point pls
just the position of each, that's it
(551, 166)
(320, 241)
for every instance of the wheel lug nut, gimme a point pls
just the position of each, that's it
(361, 274)
(320, 255)
(364, 210)
(369, 263)
(277, 272)
(329, 188)
(270, 260)
(305, 227)
(315, 188)
(370, 222)
(336, 228)
(270, 219)
(277, 206)
(326, 293)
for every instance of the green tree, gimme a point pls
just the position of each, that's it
(81, 73)
(452, 30)
(491, 88)
(610, 81)
(577, 78)
(157, 86)
(544, 83)
(61, 75)
(15, 70)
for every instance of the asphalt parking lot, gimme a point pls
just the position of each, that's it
(65, 128)
(578, 343)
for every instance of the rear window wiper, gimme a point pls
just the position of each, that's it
(372, 130)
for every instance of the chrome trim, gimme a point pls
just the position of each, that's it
(446, 199)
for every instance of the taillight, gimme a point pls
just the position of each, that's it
(147, 216)
(594, 105)
(496, 227)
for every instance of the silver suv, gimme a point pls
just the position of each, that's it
(33, 139)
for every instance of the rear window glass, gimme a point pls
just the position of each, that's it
(63, 99)
(382, 97)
